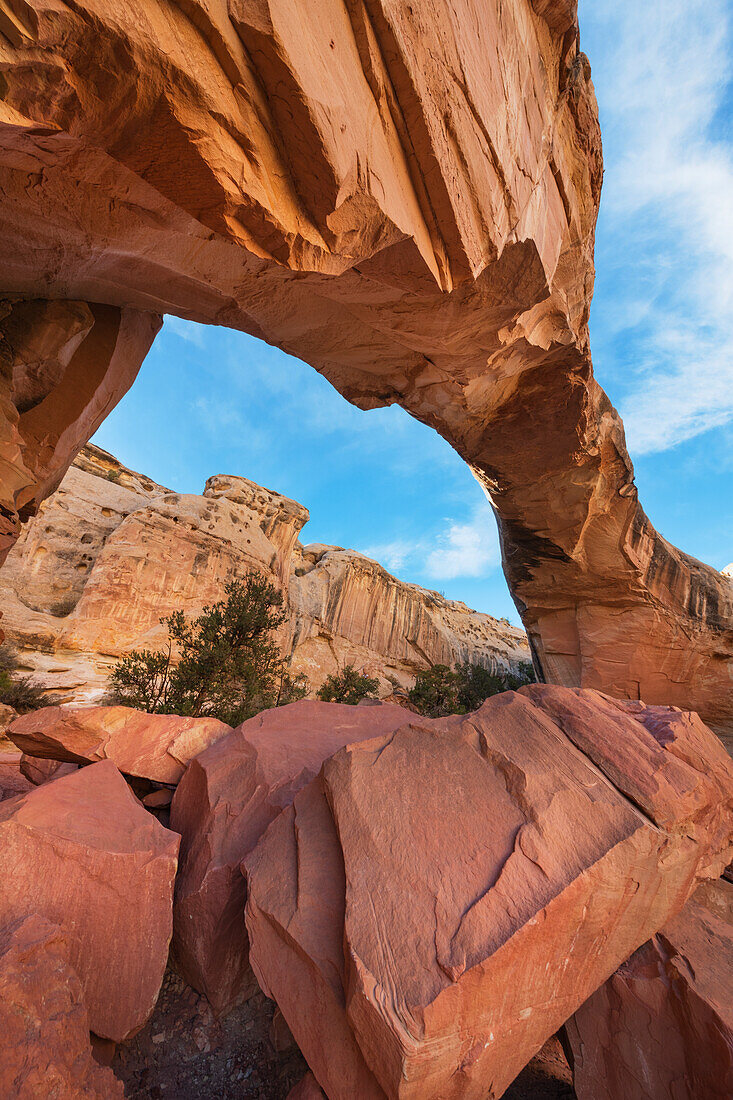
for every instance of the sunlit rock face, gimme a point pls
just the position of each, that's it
(112, 552)
(404, 197)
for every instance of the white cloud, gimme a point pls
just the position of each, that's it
(668, 200)
(187, 330)
(465, 549)
(395, 555)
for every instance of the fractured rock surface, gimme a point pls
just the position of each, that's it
(221, 808)
(43, 1022)
(147, 746)
(662, 1026)
(407, 201)
(440, 900)
(83, 853)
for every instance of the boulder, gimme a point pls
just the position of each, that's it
(83, 853)
(221, 808)
(12, 780)
(307, 1089)
(156, 747)
(662, 1026)
(45, 1030)
(39, 771)
(440, 900)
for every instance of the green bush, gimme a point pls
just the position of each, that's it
(225, 664)
(348, 686)
(440, 690)
(20, 692)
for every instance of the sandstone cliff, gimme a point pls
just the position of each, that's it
(402, 195)
(111, 552)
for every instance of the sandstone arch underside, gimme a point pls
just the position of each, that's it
(404, 195)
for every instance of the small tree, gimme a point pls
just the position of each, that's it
(440, 690)
(348, 686)
(225, 664)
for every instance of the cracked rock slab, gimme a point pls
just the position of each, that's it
(157, 747)
(84, 854)
(221, 808)
(43, 1021)
(662, 1026)
(441, 899)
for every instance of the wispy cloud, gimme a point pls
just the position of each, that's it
(187, 330)
(662, 74)
(467, 548)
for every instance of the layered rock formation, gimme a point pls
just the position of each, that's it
(111, 552)
(662, 1026)
(407, 201)
(411, 965)
(81, 852)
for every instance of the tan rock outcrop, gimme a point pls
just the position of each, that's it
(433, 906)
(43, 1021)
(407, 201)
(112, 552)
(157, 747)
(221, 808)
(662, 1026)
(83, 853)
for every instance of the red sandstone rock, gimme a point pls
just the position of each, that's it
(44, 1027)
(432, 178)
(307, 1089)
(12, 780)
(82, 852)
(39, 771)
(149, 746)
(434, 906)
(221, 808)
(662, 1026)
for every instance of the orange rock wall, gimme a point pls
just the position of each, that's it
(405, 196)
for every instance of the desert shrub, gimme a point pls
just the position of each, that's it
(225, 664)
(348, 686)
(441, 690)
(21, 693)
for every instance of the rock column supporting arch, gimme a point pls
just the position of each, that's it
(404, 195)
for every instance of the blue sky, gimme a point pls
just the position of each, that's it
(212, 401)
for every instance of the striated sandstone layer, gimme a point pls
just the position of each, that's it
(83, 853)
(440, 900)
(43, 1021)
(404, 196)
(111, 552)
(662, 1026)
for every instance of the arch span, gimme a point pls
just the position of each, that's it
(402, 194)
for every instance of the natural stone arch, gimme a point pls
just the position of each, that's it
(402, 194)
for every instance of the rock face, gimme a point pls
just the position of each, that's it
(158, 747)
(83, 853)
(662, 1026)
(44, 1025)
(433, 181)
(221, 808)
(439, 900)
(63, 366)
(112, 552)
(307, 1089)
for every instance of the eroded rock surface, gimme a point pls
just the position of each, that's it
(407, 201)
(157, 747)
(83, 853)
(662, 1026)
(112, 552)
(221, 808)
(438, 901)
(43, 1021)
